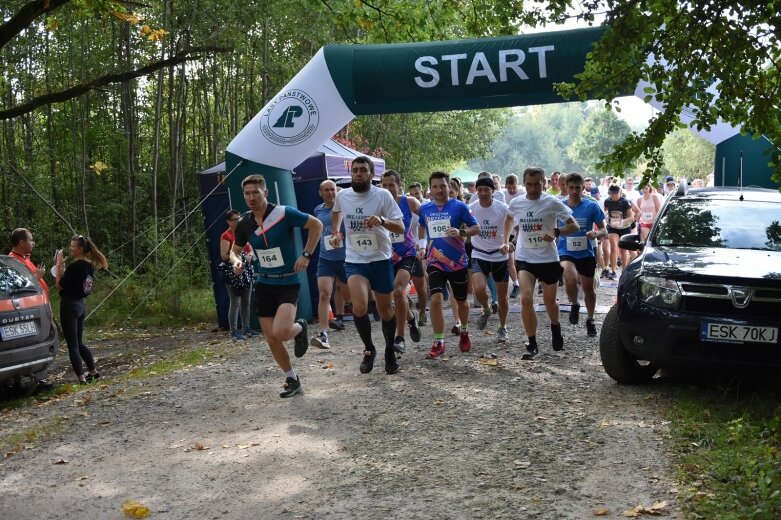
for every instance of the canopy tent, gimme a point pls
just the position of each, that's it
(465, 175)
(331, 160)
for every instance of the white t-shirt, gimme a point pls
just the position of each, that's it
(366, 244)
(508, 198)
(632, 195)
(536, 218)
(497, 195)
(491, 236)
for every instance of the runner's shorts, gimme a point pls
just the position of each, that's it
(584, 266)
(269, 297)
(332, 268)
(618, 231)
(498, 270)
(379, 274)
(458, 281)
(548, 272)
(410, 264)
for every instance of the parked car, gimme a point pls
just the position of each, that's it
(705, 289)
(28, 336)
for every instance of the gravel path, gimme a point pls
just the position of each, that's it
(448, 438)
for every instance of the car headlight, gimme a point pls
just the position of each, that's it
(660, 292)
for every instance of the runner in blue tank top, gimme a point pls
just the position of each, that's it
(405, 261)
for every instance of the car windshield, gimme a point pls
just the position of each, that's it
(12, 282)
(720, 223)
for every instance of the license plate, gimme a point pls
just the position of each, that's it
(726, 333)
(19, 330)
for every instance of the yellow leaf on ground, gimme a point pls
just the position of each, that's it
(135, 509)
(601, 512)
(488, 361)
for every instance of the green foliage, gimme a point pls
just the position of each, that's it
(537, 136)
(602, 131)
(729, 455)
(687, 155)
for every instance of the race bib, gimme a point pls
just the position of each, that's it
(270, 258)
(396, 238)
(647, 215)
(576, 243)
(363, 241)
(534, 239)
(438, 228)
(327, 243)
(616, 222)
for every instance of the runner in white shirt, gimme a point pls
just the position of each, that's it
(490, 250)
(369, 214)
(536, 254)
(511, 191)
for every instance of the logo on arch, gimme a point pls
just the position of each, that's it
(290, 119)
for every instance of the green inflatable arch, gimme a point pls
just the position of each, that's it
(344, 81)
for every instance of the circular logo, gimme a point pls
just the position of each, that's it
(290, 119)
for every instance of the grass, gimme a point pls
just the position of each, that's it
(728, 451)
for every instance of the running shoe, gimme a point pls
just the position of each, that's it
(494, 307)
(464, 343)
(398, 345)
(482, 320)
(414, 328)
(89, 377)
(301, 344)
(591, 328)
(336, 324)
(605, 273)
(515, 291)
(291, 387)
(502, 336)
(612, 275)
(249, 333)
(437, 349)
(531, 351)
(238, 336)
(367, 364)
(320, 341)
(456, 330)
(422, 319)
(574, 313)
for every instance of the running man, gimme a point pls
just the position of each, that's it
(369, 214)
(511, 191)
(577, 253)
(447, 260)
(420, 282)
(490, 249)
(268, 228)
(405, 260)
(330, 268)
(536, 255)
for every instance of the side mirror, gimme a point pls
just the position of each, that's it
(630, 242)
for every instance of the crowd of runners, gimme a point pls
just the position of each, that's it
(483, 243)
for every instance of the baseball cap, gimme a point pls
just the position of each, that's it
(669, 178)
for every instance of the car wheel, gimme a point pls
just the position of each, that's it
(618, 363)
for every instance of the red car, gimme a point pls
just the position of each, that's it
(28, 337)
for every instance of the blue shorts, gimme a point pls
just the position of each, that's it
(332, 268)
(379, 273)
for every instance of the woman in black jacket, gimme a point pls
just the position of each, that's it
(75, 284)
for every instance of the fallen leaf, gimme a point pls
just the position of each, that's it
(135, 509)
(601, 512)
(80, 478)
(200, 447)
(488, 361)
(61, 461)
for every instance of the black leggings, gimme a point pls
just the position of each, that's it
(72, 314)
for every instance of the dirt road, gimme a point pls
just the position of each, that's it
(448, 438)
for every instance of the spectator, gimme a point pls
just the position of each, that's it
(239, 303)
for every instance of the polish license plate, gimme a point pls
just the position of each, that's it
(19, 330)
(727, 333)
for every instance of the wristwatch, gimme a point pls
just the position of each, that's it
(382, 221)
(307, 255)
(462, 232)
(556, 232)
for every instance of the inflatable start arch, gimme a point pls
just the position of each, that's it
(344, 81)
